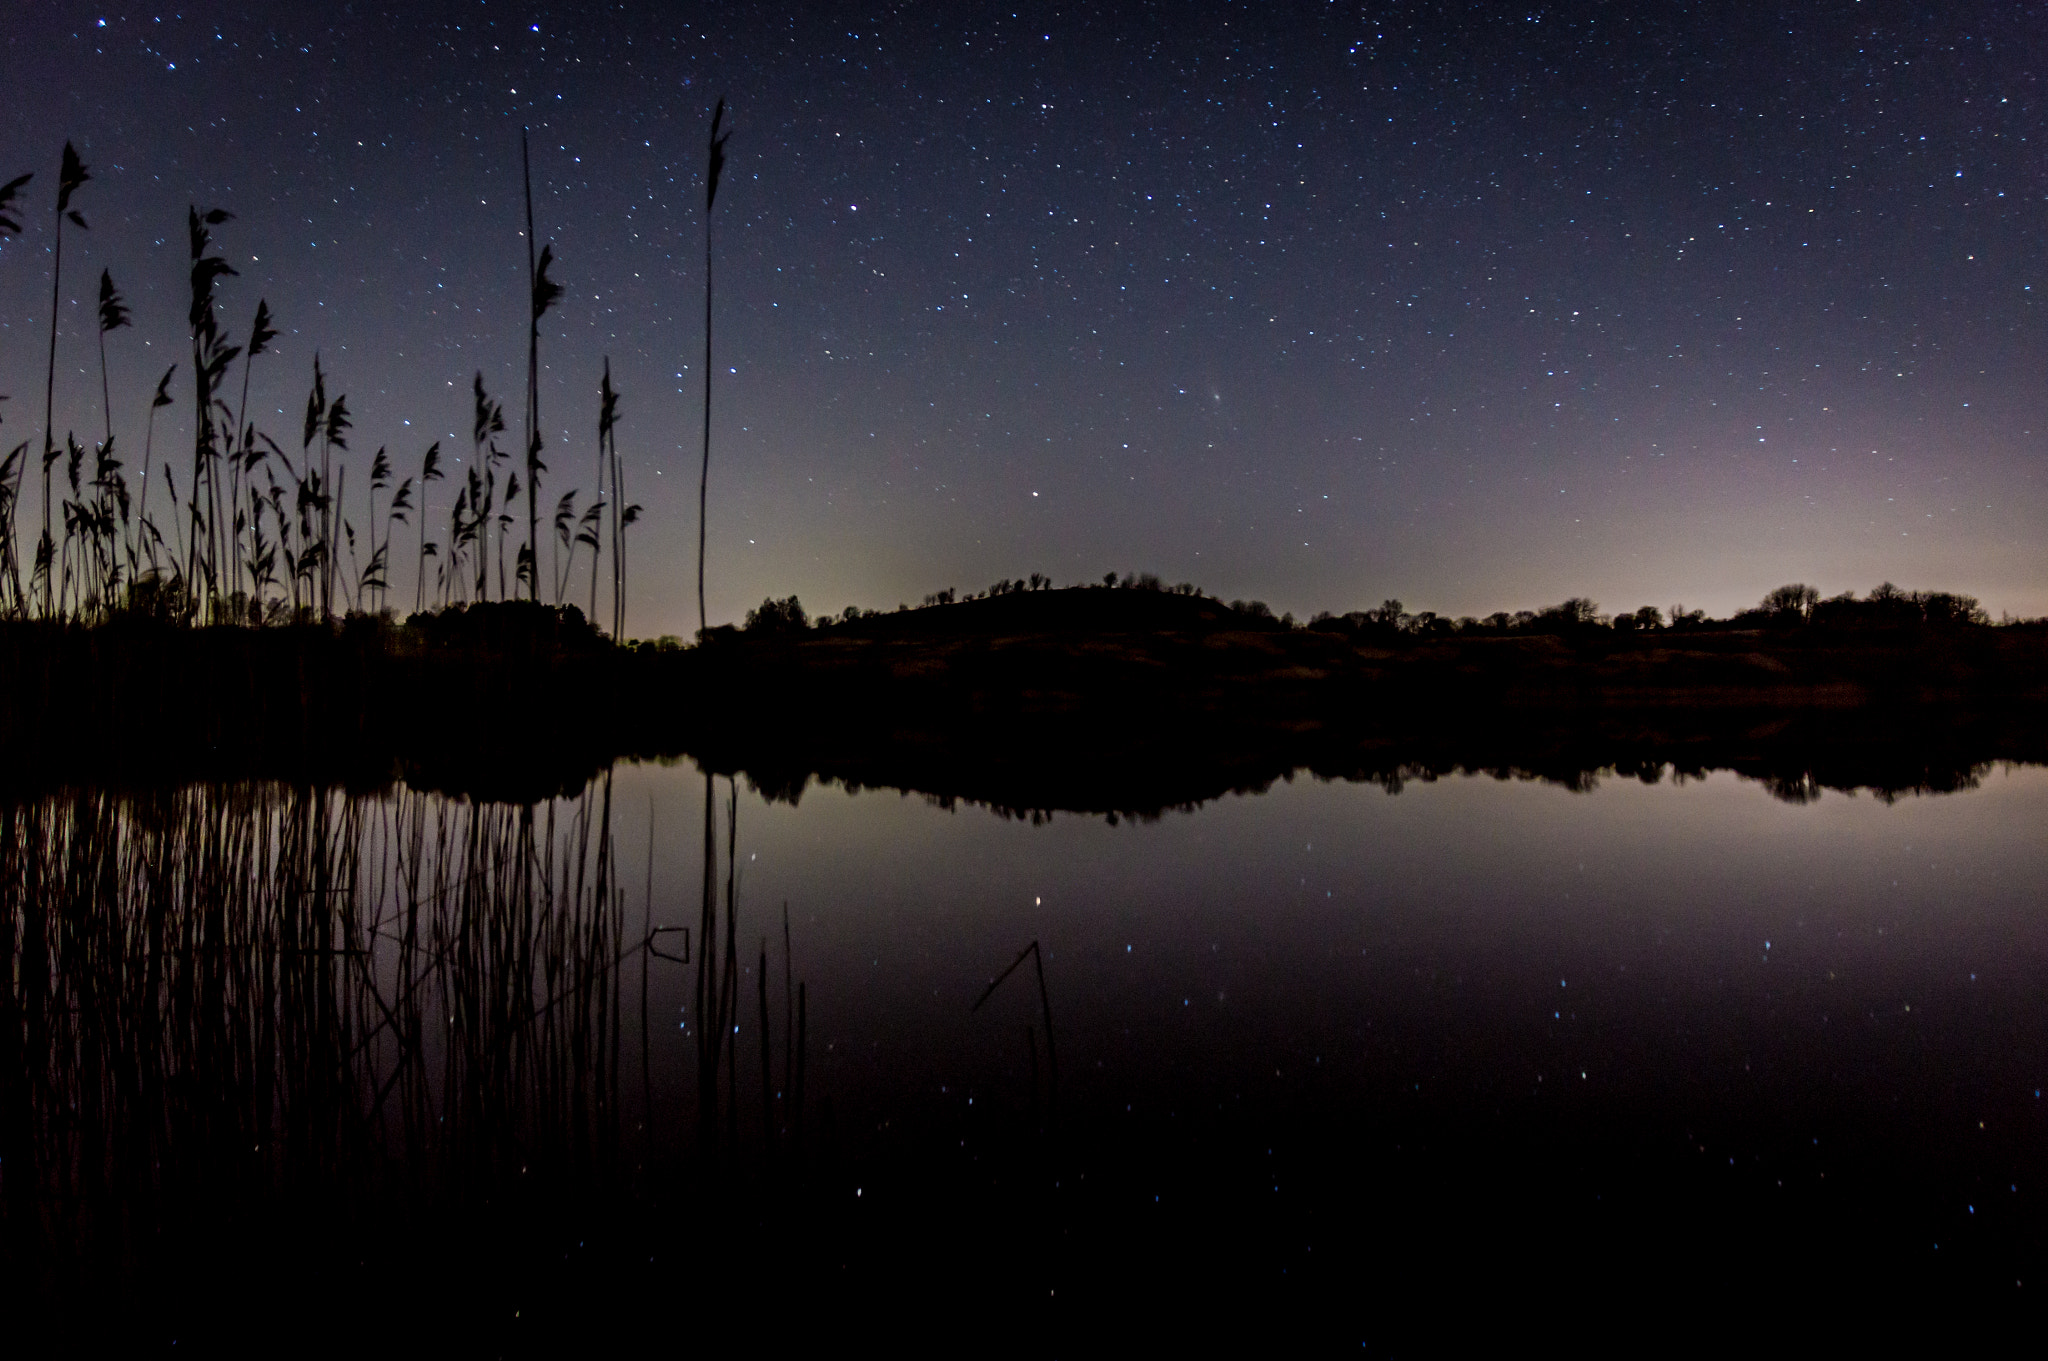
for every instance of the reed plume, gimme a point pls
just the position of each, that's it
(333, 437)
(211, 355)
(430, 471)
(160, 400)
(113, 316)
(565, 521)
(487, 422)
(245, 453)
(10, 225)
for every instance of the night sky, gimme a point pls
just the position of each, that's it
(1473, 306)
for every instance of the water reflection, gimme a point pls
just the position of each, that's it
(1148, 767)
(237, 1009)
(1328, 1056)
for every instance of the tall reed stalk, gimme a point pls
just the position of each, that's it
(211, 355)
(16, 462)
(145, 528)
(113, 316)
(430, 471)
(488, 422)
(607, 416)
(715, 169)
(542, 294)
(245, 453)
(71, 176)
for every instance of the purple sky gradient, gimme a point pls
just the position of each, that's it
(1318, 304)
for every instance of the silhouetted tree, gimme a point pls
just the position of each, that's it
(777, 616)
(1794, 601)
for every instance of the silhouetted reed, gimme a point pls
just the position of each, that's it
(71, 176)
(543, 293)
(714, 168)
(221, 562)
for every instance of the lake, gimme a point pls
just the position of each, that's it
(1401, 1062)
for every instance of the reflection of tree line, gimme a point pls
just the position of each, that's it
(1033, 773)
(221, 1001)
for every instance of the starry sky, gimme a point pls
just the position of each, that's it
(1475, 306)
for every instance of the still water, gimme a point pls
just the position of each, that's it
(1387, 1063)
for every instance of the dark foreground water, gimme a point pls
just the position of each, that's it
(1637, 1066)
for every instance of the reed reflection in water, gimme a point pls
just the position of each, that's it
(1317, 1060)
(243, 1010)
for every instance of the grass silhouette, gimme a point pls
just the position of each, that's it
(259, 536)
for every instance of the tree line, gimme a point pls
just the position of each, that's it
(1789, 606)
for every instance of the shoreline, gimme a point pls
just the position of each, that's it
(1138, 702)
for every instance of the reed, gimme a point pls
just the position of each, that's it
(487, 421)
(714, 169)
(788, 1011)
(114, 316)
(394, 515)
(333, 438)
(607, 417)
(71, 176)
(728, 1024)
(542, 293)
(258, 536)
(211, 355)
(430, 471)
(767, 1055)
(248, 454)
(146, 536)
(703, 1000)
(16, 461)
(623, 515)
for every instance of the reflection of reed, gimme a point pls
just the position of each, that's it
(220, 1000)
(717, 1001)
(1052, 1062)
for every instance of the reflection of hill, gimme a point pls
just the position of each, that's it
(1084, 699)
